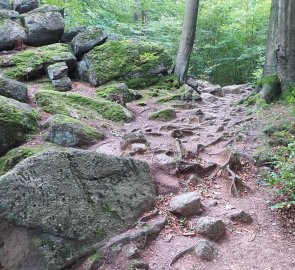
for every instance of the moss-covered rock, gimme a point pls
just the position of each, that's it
(31, 64)
(17, 121)
(119, 90)
(67, 131)
(124, 60)
(14, 156)
(13, 89)
(271, 88)
(166, 114)
(68, 104)
(254, 100)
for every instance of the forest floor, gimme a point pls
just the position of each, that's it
(210, 131)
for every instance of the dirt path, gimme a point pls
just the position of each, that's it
(261, 245)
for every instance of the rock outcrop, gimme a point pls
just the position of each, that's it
(17, 120)
(24, 6)
(4, 4)
(58, 205)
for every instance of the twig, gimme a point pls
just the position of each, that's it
(180, 255)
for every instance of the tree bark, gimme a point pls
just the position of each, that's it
(280, 50)
(135, 12)
(187, 39)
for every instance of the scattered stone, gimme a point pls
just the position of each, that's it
(13, 89)
(193, 180)
(133, 138)
(216, 90)
(241, 216)
(189, 94)
(57, 71)
(211, 227)
(180, 133)
(70, 33)
(198, 112)
(24, 6)
(186, 204)
(44, 25)
(209, 117)
(138, 148)
(164, 159)
(132, 252)
(208, 97)
(63, 84)
(213, 203)
(138, 265)
(86, 40)
(166, 114)
(10, 14)
(11, 34)
(193, 83)
(220, 128)
(72, 200)
(66, 131)
(236, 89)
(205, 250)
(182, 105)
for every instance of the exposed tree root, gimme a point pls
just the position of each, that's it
(180, 255)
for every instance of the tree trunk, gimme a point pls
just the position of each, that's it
(135, 13)
(279, 68)
(187, 39)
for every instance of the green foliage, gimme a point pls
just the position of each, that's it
(166, 114)
(254, 100)
(62, 103)
(283, 176)
(269, 80)
(289, 95)
(113, 89)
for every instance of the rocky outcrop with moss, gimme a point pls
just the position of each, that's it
(91, 108)
(13, 89)
(67, 131)
(55, 216)
(17, 121)
(166, 114)
(124, 60)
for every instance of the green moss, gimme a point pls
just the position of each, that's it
(166, 114)
(169, 82)
(14, 156)
(255, 100)
(96, 257)
(289, 95)
(21, 120)
(269, 80)
(142, 82)
(126, 59)
(62, 103)
(28, 62)
(169, 98)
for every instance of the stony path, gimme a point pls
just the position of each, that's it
(261, 245)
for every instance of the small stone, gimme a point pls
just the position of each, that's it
(205, 250)
(138, 148)
(57, 71)
(211, 227)
(213, 203)
(132, 252)
(193, 180)
(241, 216)
(220, 129)
(198, 112)
(138, 265)
(132, 138)
(186, 204)
(63, 84)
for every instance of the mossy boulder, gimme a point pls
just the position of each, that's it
(11, 33)
(44, 25)
(124, 60)
(67, 131)
(13, 89)
(60, 205)
(116, 92)
(88, 39)
(166, 114)
(74, 104)
(23, 6)
(33, 63)
(17, 121)
(10, 14)
(16, 155)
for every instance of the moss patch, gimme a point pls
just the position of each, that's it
(113, 89)
(166, 114)
(62, 103)
(14, 156)
(254, 100)
(269, 80)
(31, 63)
(127, 60)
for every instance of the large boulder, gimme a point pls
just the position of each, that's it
(11, 34)
(33, 63)
(17, 120)
(59, 205)
(124, 60)
(88, 39)
(13, 89)
(4, 4)
(23, 6)
(45, 25)
(70, 33)
(66, 131)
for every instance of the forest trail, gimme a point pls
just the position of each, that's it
(210, 131)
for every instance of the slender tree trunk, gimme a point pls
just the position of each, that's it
(187, 40)
(135, 13)
(279, 68)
